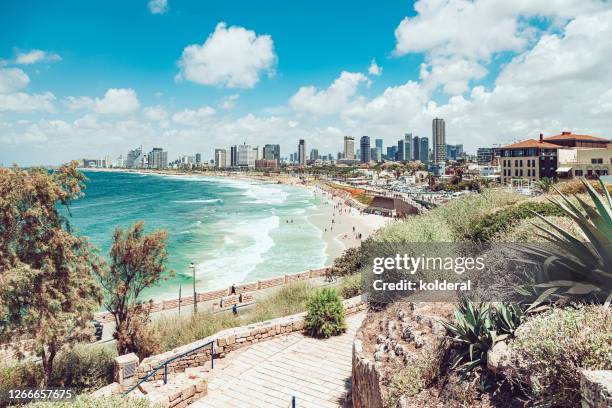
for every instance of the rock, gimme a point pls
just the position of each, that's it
(399, 350)
(499, 358)
(419, 341)
(408, 335)
(380, 339)
(403, 402)
(438, 329)
(379, 356)
(391, 325)
(391, 355)
(393, 334)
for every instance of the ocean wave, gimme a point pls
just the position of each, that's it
(249, 238)
(201, 201)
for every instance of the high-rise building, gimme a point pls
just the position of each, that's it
(349, 148)
(246, 156)
(302, 152)
(234, 156)
(364, 147)
(376, 154)
(424, 150)
(454, 152)
(198, 158)
(256, 153)
(416, 148)
(379, 150)
(439, 140)
(220, 158)
(391, 152)
(408, 146)
(401, 151)
(132, 157)
(487, 154)
(158, 159)
(272, 152)
(314, 154)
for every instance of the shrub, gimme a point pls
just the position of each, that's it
(86, 401)
(349, 262)
(325, 314)
(553, 347)
(490, 225)
(20, 375)
(351, 286)
(85, 367)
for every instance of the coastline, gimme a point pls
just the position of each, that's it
(341, 226)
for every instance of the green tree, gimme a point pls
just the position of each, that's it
(48, 293)
(137, 262)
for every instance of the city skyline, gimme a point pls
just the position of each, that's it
(495, 75)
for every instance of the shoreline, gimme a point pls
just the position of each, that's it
(341, 225)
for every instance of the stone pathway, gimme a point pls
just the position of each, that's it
(270, 373)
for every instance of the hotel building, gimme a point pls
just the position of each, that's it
(529, 160)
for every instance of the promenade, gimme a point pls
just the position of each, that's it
(268, 374)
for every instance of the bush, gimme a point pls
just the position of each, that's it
(488, 226)
(20, 375)
(86, 401)
(351, 286)
(325, 314)
(85, 367)
(351, 261)
(554, 347)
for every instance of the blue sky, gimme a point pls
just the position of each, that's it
(79, 78)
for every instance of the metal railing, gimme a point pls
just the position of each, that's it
(164, 365)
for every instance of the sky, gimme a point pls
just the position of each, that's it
(89, 79)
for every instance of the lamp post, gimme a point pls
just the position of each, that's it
(195, 296)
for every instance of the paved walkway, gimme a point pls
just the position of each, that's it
(269, 374)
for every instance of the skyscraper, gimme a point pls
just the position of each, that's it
(349, 148)
(408, 146)
(379, 150)
(314, 154)
(158, 159)
(272, 152)
(220, 158)
(391, 152)
(198, 158)
(416, 148)
(302, 152)
(246, 156)
(439, 140)
(424, 150)
(364, 147)
(401, 152)
(132, 157)
(234, 156)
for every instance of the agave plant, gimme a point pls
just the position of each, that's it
(474, 331)
(545, 184)
(573, 267)
(478, 327)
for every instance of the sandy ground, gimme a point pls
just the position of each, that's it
(343, 227)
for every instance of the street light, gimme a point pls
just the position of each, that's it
(195, 296)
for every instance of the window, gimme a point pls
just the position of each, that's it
(521, 172)
(596, 161)
(528, 172)
(533, 163)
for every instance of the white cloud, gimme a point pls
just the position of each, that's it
(448, 31)
(34, 56)
(233, 57)
(192, 117)
(375, 69)
(229, 102)
(12, 79)
(158, 6)
(24, 102)
(115, 101)
(331, 100)
(156, 113)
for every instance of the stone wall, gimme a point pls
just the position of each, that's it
(366, 391)
(232, 339)
(154, 307)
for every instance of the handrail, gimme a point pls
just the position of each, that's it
(165, 365)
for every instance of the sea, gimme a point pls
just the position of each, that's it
(233, 230)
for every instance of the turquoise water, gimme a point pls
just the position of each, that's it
(232, 230)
